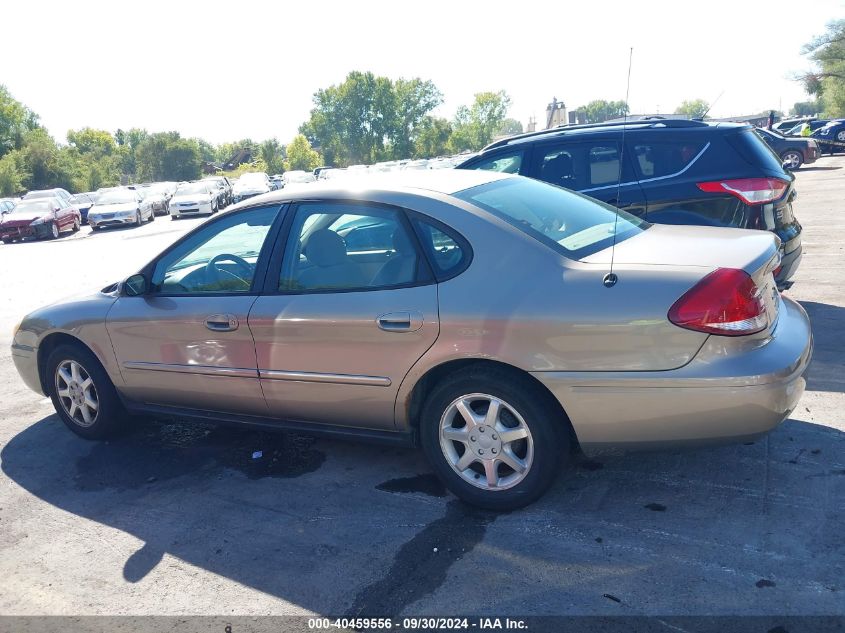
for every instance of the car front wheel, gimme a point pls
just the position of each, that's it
(82, 393)
(792, 160)
(493, 438)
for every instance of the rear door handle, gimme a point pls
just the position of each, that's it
(222, 323)
(400, 321)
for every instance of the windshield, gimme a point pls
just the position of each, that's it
(80, 198)
(192, 188)
(124, 196)
(252, 179)
(39, 205)
(299, 176)
(39, 194)
(572, 224)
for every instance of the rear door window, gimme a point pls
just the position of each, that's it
(578, 166)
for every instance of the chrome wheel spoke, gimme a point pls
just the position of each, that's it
(492, 415)
(64, 393)
(512, 435)
(72, 409)
(65, 375)
(86, 414)
(465, 461)
(466, 413)
(491, 473)
(456, 435)
(86, 383)
(90, 403)
(74, 372)
(509, 459)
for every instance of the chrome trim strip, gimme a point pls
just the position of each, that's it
(634, 182)
(203, 370)
(338, 379)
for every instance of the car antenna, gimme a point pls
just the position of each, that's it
(610, 278)
(710, 107)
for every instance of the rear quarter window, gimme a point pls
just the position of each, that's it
(654, 159)
(756, 152)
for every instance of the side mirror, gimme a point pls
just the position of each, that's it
(135, 285)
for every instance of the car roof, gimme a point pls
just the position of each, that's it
(440, 181)
(613, 128)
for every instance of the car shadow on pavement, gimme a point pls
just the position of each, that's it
(336, 528)
(827, 369)
(821, 168)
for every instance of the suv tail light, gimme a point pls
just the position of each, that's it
(749, 190)
(726, 302)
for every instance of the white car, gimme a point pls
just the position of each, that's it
(297, 176)
(251, 184)
(193, 198)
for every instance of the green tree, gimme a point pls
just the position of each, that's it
(827, 78)
(300, 155)
(694, 109)
(432, 137)
(600, 110)
(11, 173)
(207, 151)
(167, 156)
(273, 154)
(352, 121)
(16, 120)
(474, 126)
(87, 140)
(414, 99)
(128, 142)
(806, 108)
(46, 167)
(509, 127)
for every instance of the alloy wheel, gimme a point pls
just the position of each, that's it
(792, 160)
(841, 136)
(486, 441)
(54, 230)
(77, 393)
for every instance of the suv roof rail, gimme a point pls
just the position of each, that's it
(651, 121)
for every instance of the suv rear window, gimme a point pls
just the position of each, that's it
(755, 151)
(572, 224)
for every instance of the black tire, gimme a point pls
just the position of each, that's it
(152, 216)
(76, 226)
(540, 413)
(139, 220)
(110, 417)
(55, 232)
(174, 217)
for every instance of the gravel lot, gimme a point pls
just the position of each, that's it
(178, 519)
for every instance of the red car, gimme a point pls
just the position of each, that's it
(39, 218)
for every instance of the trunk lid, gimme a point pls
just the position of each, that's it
(708, 248)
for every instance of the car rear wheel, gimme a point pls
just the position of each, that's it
(792, 160)
(76, 225)
(82, 393)
(493, 438)
(138, 220)
(840, 136)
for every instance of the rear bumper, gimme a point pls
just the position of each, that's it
(788, 267)
(733, 389)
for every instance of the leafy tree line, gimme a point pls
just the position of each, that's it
(362, 120)
(826, 80)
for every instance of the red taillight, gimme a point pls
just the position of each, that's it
(726, 302)
(749, 190)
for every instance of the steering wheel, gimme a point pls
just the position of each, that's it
(215, 272)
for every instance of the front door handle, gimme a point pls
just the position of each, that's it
(400, 321)
(222, 323)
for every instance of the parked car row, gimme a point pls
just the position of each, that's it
(42, 214)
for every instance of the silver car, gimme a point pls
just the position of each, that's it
(472, 313)
(120, 207)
